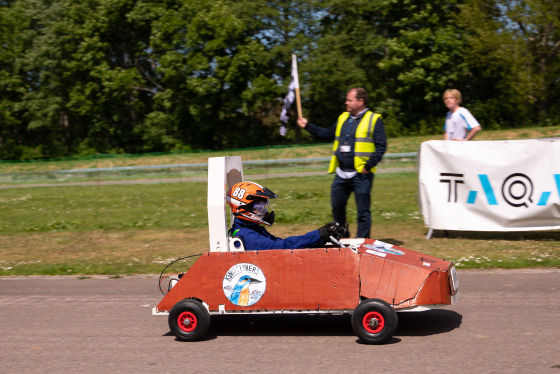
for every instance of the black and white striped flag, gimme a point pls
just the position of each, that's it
(293, 91)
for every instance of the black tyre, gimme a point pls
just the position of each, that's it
(374, 321)
(189, 320)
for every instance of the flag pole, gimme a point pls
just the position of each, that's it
(296, 85)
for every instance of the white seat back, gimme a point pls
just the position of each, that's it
(223, 172)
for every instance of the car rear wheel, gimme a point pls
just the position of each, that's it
(374, 321)
(189, 320)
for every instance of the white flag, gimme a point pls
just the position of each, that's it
(289, 99)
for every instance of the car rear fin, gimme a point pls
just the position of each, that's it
(223, 172)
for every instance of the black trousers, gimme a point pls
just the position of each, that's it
(341, 189)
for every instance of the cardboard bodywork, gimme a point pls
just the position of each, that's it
(319, 279)
(228, 279)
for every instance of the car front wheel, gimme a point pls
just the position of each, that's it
(374, 321)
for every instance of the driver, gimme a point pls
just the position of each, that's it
(249, 203)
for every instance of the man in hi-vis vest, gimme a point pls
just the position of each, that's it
(359, 145)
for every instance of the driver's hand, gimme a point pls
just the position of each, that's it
(328, 230)
(342, 232)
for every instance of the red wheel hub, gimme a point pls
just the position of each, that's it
(373, 322)
(187, 321)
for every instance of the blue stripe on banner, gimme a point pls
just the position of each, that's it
(557, 177)
(472, 197)
(488, 189)
(544, 198)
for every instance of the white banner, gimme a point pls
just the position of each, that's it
(511, 185)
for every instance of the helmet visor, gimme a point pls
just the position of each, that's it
(260, 207)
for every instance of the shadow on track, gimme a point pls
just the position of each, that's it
(431, 322)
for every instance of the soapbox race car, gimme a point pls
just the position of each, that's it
(367, 278)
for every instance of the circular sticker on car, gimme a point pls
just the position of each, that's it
(244, 284)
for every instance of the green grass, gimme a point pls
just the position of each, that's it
(132, 229)
(119, 207)
(172, 206)
(139, 228)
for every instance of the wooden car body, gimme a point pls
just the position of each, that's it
(316, 279)
(368, 278)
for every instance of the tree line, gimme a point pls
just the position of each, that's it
(79, 77)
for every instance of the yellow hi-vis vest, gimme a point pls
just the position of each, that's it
(364, 147)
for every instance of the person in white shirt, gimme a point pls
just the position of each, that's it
(460, 124)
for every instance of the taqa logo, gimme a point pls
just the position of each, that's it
(516, 190)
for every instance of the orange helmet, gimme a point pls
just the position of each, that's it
(250, 201)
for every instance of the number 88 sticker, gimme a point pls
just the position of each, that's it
(239, 193)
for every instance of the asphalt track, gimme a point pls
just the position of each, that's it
(504, 322)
